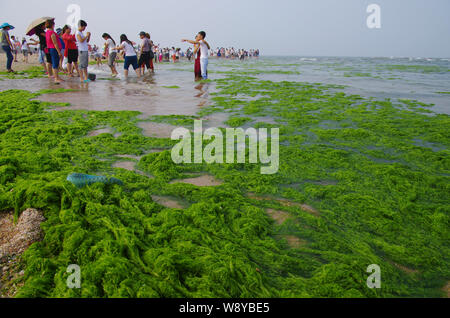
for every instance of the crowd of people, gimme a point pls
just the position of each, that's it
(68, 51)
(175, 54)
(233, 53)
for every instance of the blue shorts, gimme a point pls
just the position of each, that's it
(55, 58)
(131, 60)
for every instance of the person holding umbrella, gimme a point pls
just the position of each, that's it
(7, 46)
(54, 48)
(37, 28)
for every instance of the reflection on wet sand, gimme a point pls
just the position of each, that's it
(143, 95)
(203, 94)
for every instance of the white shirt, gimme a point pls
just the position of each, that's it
(204, 52)
(111, 46)
(82, 46)
(129, 49)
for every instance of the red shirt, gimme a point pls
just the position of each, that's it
(70, 42)
(48, 37)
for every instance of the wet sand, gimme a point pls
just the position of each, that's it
(167, 202)
(158, 130)
(200, 181)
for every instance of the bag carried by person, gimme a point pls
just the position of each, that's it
(65, 62)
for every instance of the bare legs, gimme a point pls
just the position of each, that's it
(49, 70)
(114, 71)
(83, 75)
(71, 67)
(138, 73)
(58, 80)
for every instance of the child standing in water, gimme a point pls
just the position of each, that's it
(83, 49)
(204, 52)
(130, 55)
(110, 47)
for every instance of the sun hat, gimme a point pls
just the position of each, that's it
(4, 25)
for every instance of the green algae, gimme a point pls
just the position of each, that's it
(32, 72)
(357, 74)
(416, 68)
(388, 202)
(108, 79)
(237, 121)
(172, 87)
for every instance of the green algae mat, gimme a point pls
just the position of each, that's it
(361, 182)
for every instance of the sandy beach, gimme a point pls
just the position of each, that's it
(20, 65)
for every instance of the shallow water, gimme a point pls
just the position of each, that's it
(148, 95)
(382, 82)
(370, 77)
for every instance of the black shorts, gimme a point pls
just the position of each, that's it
(72, 56)
(48, 57)
(144, 59)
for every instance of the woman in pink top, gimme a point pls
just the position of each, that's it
(54, 48)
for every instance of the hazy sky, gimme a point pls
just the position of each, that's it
(418, 28)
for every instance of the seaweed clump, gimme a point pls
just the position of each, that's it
(387, 203)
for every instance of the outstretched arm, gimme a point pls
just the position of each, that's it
(197, 43)
(190, 41)
(120, 47)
